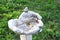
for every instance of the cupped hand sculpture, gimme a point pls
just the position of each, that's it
(28, 23)
(24, 28)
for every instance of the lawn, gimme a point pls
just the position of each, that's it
(48, 9)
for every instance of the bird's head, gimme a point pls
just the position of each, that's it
(25, 9)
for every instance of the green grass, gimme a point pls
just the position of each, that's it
(48, 9)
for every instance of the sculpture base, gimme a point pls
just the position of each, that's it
(25, 37)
